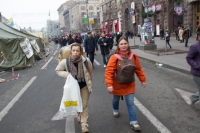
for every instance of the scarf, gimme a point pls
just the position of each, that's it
(124, 53)
(79, 75)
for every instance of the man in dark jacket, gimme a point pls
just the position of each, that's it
(186, 35)
(104, 46)
(193, 59)
(90, 46)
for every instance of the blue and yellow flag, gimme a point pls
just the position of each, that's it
(10, 22)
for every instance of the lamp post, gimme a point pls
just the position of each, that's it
(87, 14)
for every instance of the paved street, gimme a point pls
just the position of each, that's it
(160, 108)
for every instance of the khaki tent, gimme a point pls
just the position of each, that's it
(11, 52)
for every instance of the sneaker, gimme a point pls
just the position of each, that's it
(104, 66)
(135, 127)
(85, 129)
(116, 114)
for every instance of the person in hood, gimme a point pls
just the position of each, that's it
(193, 59)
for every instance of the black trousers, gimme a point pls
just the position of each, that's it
(91, 56)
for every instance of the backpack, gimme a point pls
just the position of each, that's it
(126, 69)
(68, 68)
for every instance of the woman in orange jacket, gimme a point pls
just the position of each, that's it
(126, 89)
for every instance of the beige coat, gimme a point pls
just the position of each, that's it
(181, 34)
(61, 70)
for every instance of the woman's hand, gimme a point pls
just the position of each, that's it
(143, 84)
(110, 89)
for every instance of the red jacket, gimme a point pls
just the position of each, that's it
(122, 89)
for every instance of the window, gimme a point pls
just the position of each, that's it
(97, 8)
(198, 8)
(90, 7)
(82, 7)
(83, 13)
(91, 13)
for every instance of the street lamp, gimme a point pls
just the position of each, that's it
(87, 14)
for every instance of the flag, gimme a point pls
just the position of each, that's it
(49, 12)
(10, 22)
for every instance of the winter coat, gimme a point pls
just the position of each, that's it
(122, 89)
(64, 42)
(193, 58)
(180, 34)
(71, 41)
(186, 34)
(90, 44)
(167, 34)
(61, 70)
(105, 50)
(111, 42)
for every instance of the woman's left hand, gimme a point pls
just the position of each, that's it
(143, 84)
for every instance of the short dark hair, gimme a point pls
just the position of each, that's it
(77, 44)
(89, 32)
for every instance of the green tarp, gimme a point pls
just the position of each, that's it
(12, 55)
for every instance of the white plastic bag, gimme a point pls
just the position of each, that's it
(71, 101)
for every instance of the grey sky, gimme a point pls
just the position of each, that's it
(32, 13)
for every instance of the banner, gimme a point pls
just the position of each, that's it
(91, 20)
(157, 29)
(35, 45)
(26, 47)
(132, 12)
(85, 19)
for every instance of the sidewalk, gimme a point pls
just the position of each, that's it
(176, 62)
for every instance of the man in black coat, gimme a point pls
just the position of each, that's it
(90, 46)
(104, 46)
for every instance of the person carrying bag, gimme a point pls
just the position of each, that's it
(83, 74)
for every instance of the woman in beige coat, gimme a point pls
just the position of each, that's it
(181, 34)
(82, 72)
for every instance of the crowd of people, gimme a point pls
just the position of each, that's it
(113, 64)
(91, 42)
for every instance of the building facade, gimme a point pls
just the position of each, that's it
(84, 8)
(162, 14)
(63, 16)
(53, 28)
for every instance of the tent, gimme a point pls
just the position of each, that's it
(11, 53)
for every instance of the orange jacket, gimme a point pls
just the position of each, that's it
(118, 88)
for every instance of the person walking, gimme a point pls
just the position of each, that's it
(83, 74)
(124, 89)
(64, 41)
(181, 34)
(90, 47)
(161, 34)
(72, 39)
(104, 47)
(186, 35)
(197, 31)
(167, 36)
(193, 59)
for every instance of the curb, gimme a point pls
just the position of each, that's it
(167, 66)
